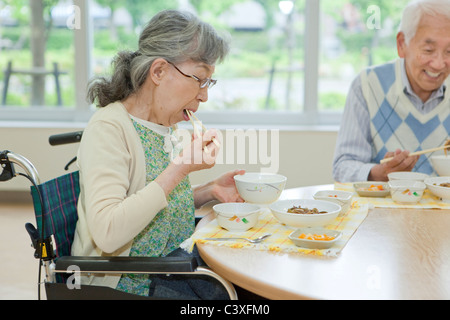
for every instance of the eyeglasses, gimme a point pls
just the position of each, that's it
(208, 82)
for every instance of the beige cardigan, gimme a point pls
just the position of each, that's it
(114, 204)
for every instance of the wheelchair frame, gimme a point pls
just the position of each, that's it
(93, 265)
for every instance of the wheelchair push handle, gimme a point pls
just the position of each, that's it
(65, 138)
(8, 158)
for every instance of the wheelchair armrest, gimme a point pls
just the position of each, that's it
(127, 264)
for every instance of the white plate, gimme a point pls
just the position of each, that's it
(293, 220)
(433, 184)
(361, 186)
(342, 198)
(315, 244)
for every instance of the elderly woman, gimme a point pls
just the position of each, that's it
(134, 200)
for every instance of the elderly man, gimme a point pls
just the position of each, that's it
(402, 106)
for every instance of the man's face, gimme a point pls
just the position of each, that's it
(427, 56)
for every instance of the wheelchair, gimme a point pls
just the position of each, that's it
(55, 203)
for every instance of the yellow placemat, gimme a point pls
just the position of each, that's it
(428, 201)
(279, 241)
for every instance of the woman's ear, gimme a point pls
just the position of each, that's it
(158, 70)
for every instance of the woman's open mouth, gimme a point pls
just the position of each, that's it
(185, 115)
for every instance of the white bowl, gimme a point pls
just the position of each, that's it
(279, 210)
(342, 198)
(236, 216)
(407, 191)
(407, 175)
(441, 164)
(315, 244)
(260, 187)
(433, 184)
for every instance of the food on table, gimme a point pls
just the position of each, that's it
(300, 210)
(410, 193)
(373, 187)
(319, 237)
(445, 184)
(447, 143)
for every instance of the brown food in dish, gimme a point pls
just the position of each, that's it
(300, 210)
(446, 184)
(447, 143)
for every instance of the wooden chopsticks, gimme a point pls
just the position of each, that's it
(192, 116)
(417, 153)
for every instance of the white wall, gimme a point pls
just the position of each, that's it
(305, 156)
(32, 143)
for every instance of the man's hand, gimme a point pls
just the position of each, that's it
(401, 161)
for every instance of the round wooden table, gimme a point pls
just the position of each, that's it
(394, 254)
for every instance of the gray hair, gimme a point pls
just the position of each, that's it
(415, 10)
(173, 35)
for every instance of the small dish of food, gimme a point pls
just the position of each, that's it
(315, 238)
(342, 198)
(407, 191)
(237, 216)
(301, 213)
(440, 187)
(372, 189)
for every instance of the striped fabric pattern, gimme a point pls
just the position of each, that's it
(60, 197)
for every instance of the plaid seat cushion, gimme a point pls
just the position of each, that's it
(59, 210)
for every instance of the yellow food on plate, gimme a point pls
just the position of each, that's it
(373, 187)
(319, 237)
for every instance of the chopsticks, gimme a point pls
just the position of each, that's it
(192, 116)
(418, 153)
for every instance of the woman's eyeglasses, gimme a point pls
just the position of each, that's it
(208, 82)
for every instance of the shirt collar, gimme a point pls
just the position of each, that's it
(159, 129)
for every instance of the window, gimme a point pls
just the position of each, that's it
(37, 60)
(354, 35)
(291, 62)
(262, 78)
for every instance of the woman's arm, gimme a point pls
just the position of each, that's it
(114, 198)
(192, 158)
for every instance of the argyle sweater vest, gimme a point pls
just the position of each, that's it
(396, 123)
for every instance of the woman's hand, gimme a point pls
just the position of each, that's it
(222, 189)
(200, 154)
(401, 161)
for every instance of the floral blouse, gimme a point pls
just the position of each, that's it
(172, 225)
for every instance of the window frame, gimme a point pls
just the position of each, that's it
(83, 43)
